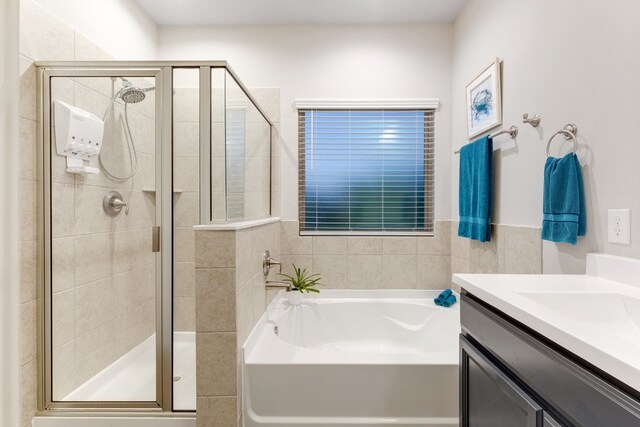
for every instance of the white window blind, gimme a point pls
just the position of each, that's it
(366, 171)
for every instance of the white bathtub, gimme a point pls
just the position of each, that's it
(344, 358)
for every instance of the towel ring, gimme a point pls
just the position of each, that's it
(569, 133)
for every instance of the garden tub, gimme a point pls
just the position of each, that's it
(345, 358)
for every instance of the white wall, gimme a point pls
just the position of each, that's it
(119, 27)
(571, 61)
(394, 61)
(9, 224)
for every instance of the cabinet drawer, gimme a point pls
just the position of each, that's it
(489, 397)
(578, 395)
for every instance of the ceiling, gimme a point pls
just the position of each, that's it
(271, 12)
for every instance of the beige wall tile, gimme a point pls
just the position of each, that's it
(460, 246)
(186, 139)
(64, 369)
(91, 217)
(523, 250)
(216, 411)
(364, 245)
(28, 392)
(63, 317)
(216, 300)
(95, 350)
(62, 263)
(186, 105)
(62, 210)
(434, 271)
(329, 245)
(440, 243)
(28, 271)
(291, 242)
(28, 331)
(247, 264)
(95, 305)
(216, 363)
(93, 257)
(333, 270)
(301, 261)
(459, 266)
(400, 245)
(186, 174)
(87, 51)
(244, 311)
(29, 152)
(184, 244)
(259, 297)
(184, 314)
(42, 37)
(186, 209)
(215, 249)
(365, 271)
(28, 204)
(27, 88)
(184, 284)
(400, 271)
(485, 257)
(269, 100)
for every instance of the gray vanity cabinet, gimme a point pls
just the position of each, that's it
(489, 397)
(510, 377)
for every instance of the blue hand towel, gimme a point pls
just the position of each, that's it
(476, 190)
(443, 295)
(564, 216)
(449, 301)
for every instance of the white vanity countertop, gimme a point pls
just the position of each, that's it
(595, 316)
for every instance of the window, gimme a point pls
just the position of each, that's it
(366, 171)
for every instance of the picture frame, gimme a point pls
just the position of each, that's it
(484, 101)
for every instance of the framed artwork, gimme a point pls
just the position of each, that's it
(484, 101)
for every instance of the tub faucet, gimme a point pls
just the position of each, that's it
(268, 262)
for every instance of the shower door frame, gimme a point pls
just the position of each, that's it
(162, 71)
(164, 219)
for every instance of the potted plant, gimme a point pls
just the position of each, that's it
(301, 282)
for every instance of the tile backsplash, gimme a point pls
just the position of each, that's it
(355, 262)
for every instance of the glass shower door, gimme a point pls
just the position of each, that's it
(102, 235)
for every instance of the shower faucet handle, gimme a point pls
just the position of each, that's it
(113, 204)
(119, 204)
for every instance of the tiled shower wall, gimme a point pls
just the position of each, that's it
(103, 268)
(186, 149)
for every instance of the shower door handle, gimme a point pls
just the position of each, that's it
(155, 239)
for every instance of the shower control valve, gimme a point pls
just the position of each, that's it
(113, 204)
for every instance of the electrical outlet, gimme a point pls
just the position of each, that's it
(619, 226)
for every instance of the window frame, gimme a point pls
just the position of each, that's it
(428, 107)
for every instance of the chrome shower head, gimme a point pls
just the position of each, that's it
(132, 95)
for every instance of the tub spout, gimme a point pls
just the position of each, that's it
(274, 284)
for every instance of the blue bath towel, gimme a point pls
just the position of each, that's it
(564, 216)
(443, 295)
(476, 190)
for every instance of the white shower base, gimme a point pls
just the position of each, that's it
(133, 376)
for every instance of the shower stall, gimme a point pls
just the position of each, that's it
(134, 155)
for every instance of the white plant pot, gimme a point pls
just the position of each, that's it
(294, 297)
